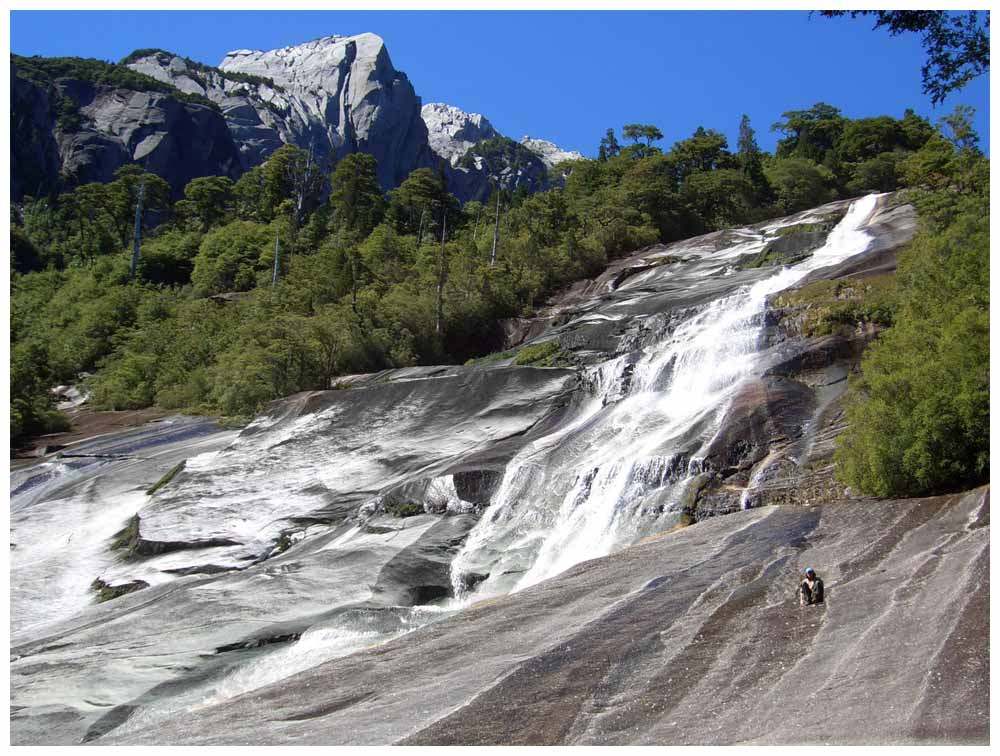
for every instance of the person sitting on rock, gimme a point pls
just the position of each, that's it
(811, 588)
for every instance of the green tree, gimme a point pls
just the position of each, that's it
(877, 174)
(24, 256)
(356, 200)
(289, 175)
(721, 198)
(864, 138)
(168, 257)
(32, 406)
(809, 133)
(609, 146)
(957, 44)
(916, 130)
(413, 204)
(249, 197)
(637, 131)
(957, 128)
(798, 183)
(231, 257)
(121, 195)
(705, 150)
(208, 200)
(919, 414)
(356, 208)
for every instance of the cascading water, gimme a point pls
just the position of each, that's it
(616, 472)
(612, 469)
(63, 513)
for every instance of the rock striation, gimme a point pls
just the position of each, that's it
(690, 638)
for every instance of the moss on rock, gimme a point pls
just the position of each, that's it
(166, 478)
(491, 358)
(404, 508)
(544, 354)
(107, 592)
(826, 307)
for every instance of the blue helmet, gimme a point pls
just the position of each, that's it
(810, 571)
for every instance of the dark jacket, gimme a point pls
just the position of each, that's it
(813, 595)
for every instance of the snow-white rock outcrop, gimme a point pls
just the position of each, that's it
(451, 131)
(549, 152)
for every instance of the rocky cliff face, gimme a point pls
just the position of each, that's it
(343, 95)
(178, 141)
(334, 96)
(451, 131)
(113, 126)
(480, 157)
(35, 155)
(256, 125)
(548, 152)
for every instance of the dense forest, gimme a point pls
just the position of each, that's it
(295, 274)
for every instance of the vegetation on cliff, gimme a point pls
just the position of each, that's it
(919, 412)
(45, 72)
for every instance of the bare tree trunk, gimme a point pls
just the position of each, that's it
(420, 231)
(441, 270)
(496, 232)
(277, 257)
(137, 232)
(475, 235)
(354, 281)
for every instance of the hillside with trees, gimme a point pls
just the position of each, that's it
(283, 280)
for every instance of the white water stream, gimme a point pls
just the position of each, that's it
(596, 485)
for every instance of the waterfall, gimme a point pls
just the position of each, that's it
(613, 469)
(618, 471)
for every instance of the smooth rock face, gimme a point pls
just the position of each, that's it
(287, 565)
(342, 95)
(256, 125)
(176, 140)
(692, 638)
(463, 501)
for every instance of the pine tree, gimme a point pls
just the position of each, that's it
(749, 156)
(609, 146)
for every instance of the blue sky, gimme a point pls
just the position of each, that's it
(567, 75)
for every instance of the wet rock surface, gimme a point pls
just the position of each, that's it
(456, 503)
(635, 648)
(204, 546)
